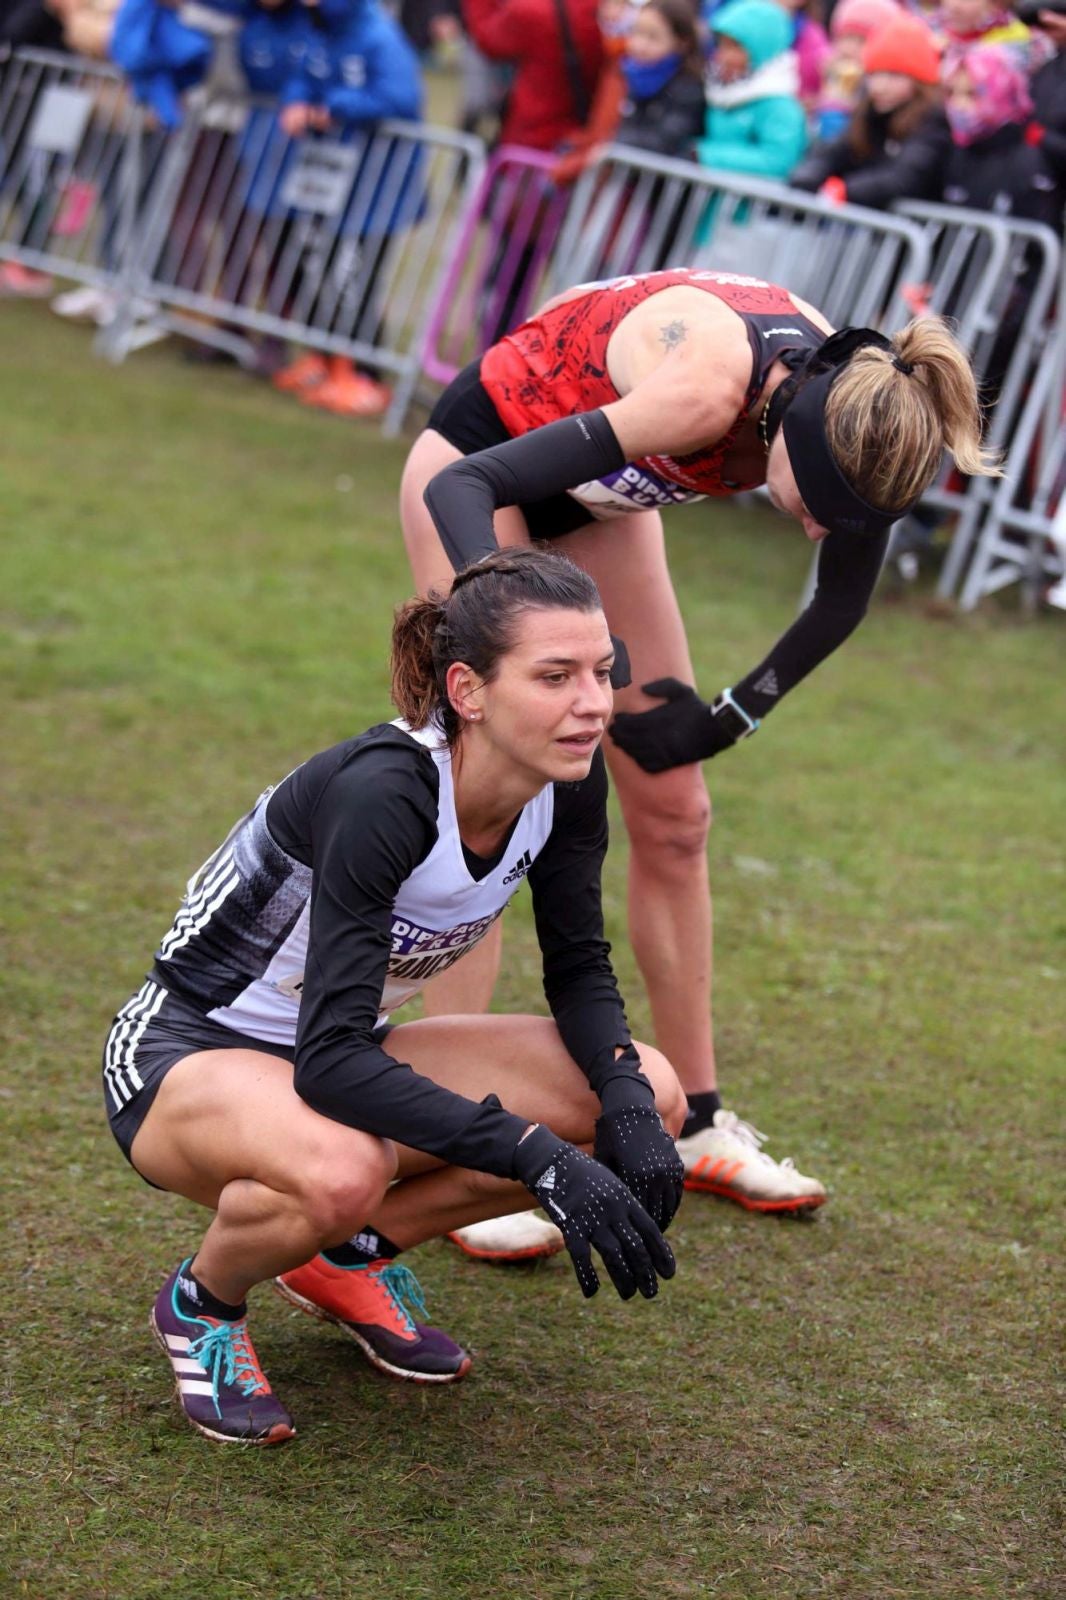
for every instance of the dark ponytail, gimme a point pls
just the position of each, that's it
(477, 624)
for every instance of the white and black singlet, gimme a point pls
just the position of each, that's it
(345, 889)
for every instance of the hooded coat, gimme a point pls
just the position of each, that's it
(756, 125)
(159, 54)
(351, 57)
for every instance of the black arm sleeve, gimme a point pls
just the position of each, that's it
(548, 461)
(579, 981)
(374, 821)
(848, 569)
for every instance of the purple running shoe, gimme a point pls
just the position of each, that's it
(371, 1304)
(220, 1383)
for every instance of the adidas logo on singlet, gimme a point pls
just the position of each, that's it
(520, 868)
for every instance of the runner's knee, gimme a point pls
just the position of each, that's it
(672, 818)
(344, 1184)
(670, 1100)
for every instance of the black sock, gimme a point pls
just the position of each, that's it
(361, 1249)
(196, 1301)
(701, 1110)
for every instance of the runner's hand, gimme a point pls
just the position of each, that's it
(678, 732)
(593, 1208)
(633, 1144)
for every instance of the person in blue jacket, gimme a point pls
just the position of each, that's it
(161, 55)
(352, 67)
(755, 120)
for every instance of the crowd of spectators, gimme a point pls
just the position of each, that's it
(871, 102)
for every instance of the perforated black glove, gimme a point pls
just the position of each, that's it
(682, 730)
(632, 1142)
(594, 1208)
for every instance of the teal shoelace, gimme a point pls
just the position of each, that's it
(228, 1348)
(405, 1291)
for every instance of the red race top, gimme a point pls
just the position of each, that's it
(555, 365)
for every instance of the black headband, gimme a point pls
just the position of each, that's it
(798, 407)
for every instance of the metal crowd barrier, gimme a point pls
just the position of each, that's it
(995, 277)
(335, 244)
(499, 263)
(1023, 538)
(68, 195)
(403, 250)
(632, 213)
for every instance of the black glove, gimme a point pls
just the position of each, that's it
(593, 1207)
(671, 735)
(633, 1144)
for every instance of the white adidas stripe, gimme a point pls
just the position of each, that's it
(135, 1037)
(184, 929)
(125, 1037)
(194, 904)
(187, 1364)
(195, 1386)
(117, 1037)
(178, 1341)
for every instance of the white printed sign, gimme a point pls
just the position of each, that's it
(320, 179)
(60, 120)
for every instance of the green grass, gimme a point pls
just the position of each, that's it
(198, 578)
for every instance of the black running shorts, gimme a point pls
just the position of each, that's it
(153, 1032)
(467, 418)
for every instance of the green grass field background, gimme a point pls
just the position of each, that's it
(197, 588)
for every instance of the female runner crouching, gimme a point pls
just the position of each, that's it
(249, 1073)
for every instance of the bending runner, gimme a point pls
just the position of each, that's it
(255, 1071)
(619, 399)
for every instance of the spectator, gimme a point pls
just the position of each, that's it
(25, 23)
(29, 22)
(616, 17)
(353, 68)
(811, 44)
(959, 24)
(159, 54)
(755, 122)
(994, 166)
(557, 53)
(429, 24)
(853, 22)
(663, 70)
(1048, 88)
(897, 141)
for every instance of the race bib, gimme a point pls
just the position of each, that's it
(633, 488)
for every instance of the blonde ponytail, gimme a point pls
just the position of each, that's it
(892, 413)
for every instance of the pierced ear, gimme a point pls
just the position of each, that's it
(463, 685)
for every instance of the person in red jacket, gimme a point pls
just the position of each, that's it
(554, 81)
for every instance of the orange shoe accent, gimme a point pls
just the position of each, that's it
(699, 1183)
(24, 281)
(352, 395)
(306, 372)
(351, 1296)
(535, 1253)
(365, 1303)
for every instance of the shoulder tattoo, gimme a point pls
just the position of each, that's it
(672, 334)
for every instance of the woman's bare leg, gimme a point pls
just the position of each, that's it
(667, 814)
(524, 1061)
(228, 1130)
